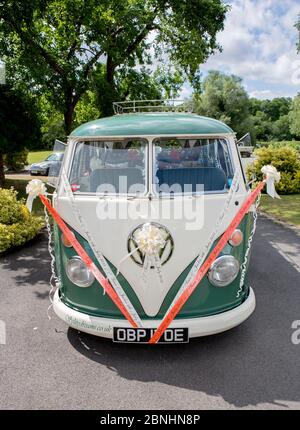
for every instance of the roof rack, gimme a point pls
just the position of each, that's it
(168, 105)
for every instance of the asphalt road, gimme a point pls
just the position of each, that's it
(45, 365)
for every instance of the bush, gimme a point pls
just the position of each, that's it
(285, 159)
(17, 224)
(16, 161)
(54, 131)
(279, 144)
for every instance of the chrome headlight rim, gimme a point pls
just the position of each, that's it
(81, 284)
(214, 266)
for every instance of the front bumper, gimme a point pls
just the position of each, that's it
(202, 326)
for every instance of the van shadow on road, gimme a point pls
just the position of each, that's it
(252, 364)
(30, 264)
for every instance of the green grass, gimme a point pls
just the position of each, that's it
(20, 186)
(37, 156)
(286, 209)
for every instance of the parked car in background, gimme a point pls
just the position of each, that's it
(246, 151)
(245, 146)
(51, 165)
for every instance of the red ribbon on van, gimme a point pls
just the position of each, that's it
(87, 260)
(167, 320)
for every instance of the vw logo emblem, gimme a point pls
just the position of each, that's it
(137, 252)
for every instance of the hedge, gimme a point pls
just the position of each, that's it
(17, 224)
(286, 161)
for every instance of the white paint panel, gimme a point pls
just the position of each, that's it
(111, 237)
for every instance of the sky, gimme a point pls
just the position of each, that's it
(259, 45)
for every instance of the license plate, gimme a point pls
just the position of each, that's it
(143, 335)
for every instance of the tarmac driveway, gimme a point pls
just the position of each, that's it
(45, 365)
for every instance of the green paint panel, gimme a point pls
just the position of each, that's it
(206, 299)
(144, 124)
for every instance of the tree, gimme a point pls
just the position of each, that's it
(271, 118)
(86, 109)
(132, 84)
(55, 45)
(281, 129)
(19, 124)
(225, 98)
(273, 109)
(262, 126)
(294, 117)
(52, 123)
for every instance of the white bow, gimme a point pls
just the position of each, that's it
(271, 176)
(33, 189)
(150, 240)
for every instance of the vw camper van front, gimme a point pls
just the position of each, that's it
(146, 197)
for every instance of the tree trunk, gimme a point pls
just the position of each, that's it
(110, 70)
(2, 176)
(68, 115)
(110, 93)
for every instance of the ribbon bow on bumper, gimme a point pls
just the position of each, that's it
(33, 189)
(271, 176)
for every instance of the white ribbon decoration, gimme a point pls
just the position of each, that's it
(213, 236)
(98, 254)
(33, 189)
(271, 176)
(150, 241)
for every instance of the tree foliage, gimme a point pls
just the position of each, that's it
(224, 98)
(19, 123)
(56, 45)
(273, 109)
(294, 117)
(271, 118)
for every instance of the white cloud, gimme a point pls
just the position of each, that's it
(264, 94)
(259, 44)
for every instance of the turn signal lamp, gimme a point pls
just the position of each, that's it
(236, 238)
(66, 241)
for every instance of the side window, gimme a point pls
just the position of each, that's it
(55, 161)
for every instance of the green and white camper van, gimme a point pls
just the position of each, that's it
(148, 191)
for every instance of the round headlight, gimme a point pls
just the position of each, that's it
(78, 273)
(223, 271)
